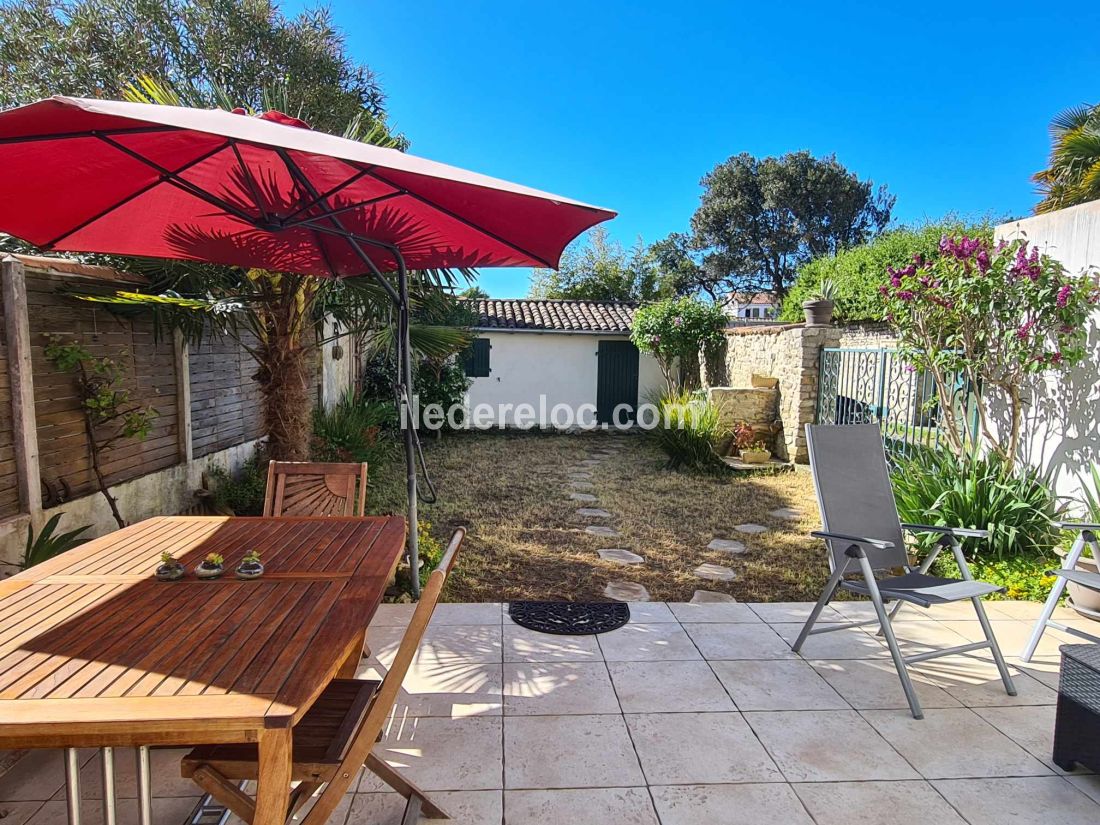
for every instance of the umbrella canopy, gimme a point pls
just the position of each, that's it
(171, 182)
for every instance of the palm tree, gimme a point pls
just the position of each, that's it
(1074, 173)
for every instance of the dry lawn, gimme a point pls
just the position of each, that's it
(526, 542)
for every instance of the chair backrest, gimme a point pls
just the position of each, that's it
(307, 488)
(854, 492)
(363, 740)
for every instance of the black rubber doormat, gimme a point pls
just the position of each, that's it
(570, 618)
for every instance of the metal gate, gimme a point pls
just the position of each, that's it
(862, 386)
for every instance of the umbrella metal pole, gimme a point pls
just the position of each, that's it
(404, 359)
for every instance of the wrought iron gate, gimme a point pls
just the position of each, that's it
(861, 386)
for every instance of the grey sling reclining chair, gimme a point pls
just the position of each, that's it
(861, 528)
(1086, 534)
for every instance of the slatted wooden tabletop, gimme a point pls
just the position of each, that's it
(95, 651)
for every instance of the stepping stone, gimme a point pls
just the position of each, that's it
(577, 470)
(581, 485)
(789, 513)
(751, 529)
(582, 497)
(580, 476)
(727, 546)
(626, 592)
(620, 556)
(711, 597)
(593, 512)
(715, 572)
(601, 530)
(591, 462)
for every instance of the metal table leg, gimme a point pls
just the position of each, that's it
(110, 808)
(144, 787)
(72, 785)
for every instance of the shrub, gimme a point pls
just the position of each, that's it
(241, 493)
(1016, 505)
(689, 429)
(677, 329)
(857, 273)
(430, 551)
(47, 544)
(1022, 577)
(443, 383)
(352, 430)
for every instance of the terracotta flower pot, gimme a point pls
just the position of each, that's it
(818, 313)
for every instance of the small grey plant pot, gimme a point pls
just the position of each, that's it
(204, 571)
(170, 572)
(250, 570)
(818, 313)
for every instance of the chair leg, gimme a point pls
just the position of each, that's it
(403, 786)
(826, 595)
(987, 629)
(1052, 602)
(72, 785)
(891, 639)
(144, 786)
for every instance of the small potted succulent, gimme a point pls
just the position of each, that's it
(170, 568)
(211, 567)
(751, 444)
(250, 567)
(819, 306)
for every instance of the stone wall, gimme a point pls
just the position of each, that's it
(756, 406)
(867, 336)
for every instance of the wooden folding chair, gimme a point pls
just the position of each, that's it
(307, 488)
(335, 736)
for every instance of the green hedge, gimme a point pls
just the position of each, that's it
(858, 272)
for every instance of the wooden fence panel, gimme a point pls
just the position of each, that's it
(9, 485)
(225, 401)
(150, 379)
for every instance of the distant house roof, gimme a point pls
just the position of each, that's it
(754, 298)
(553, 315)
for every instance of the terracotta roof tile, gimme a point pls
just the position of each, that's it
(556, 315)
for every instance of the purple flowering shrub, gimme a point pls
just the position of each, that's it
(996, 314)
(677, 328)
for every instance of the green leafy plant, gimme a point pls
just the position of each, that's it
(46, 544)
(689, 429)
(108, 413)
(1015, 504)
(213, 559)
(674, 331)
(431, 552)
(167, 558)
(353, 430)
(1022, 577)
(997, 315)
(251, 557)
(826, 290)
(747, 438)
(240, 493)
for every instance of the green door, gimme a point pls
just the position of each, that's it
(616, 381)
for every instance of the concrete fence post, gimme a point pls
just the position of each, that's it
(181, 351)
(20, 368)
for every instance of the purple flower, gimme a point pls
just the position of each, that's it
(910, 368)
(1025, 329)
(983, 261)
(1063, 295)
(904, 295)
(678, 321)
(1056, 358)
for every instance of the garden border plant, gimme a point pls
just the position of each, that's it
(674, 332)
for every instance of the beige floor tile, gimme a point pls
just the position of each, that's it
(444, 645)
(1011, 636)
(668, 687)
(339, 815)
(523, 645)
(977, 682)
(953, 743)
(713, 612)
(855, 610)
(622, 806)
(169, 810)
(788, 612)
(558, 688)
(940, 612)
(469, 613)
(699, 748)
(450, 690)
(544, 752)
(777, 685)
(872, 803)
(739, 641)
(38, 776)
(1030, 727)
(393, 615)
(1046, 800)
(164, 771)
(442, 754)
(850, 643)
(1088, 784)
(827, 746)
(650, 613)
(647, 643)
(463, 808)
(729, 805)
(869, 684)
(1045, 669)
(1027, 611)
(924, 635)
(383, 641)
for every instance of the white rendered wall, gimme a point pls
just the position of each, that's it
(1061, 432)
(560, 366)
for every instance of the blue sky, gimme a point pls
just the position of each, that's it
(627, 105)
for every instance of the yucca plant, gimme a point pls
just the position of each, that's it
(688, 431)
(352, 430)
(1016, 505)
(46, 545)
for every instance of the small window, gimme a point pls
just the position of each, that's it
(476, 359)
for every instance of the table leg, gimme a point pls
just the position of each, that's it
(72, 785)
(110, 808)
(273, 785)
(144, 787)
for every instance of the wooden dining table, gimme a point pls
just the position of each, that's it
(95, 652)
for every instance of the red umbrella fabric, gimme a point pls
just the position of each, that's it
(170, 182)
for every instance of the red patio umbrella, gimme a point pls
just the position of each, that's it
(170, 182)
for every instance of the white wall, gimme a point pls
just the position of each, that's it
(1062, 426)
(561, 366)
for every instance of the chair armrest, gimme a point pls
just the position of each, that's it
(964, 532)
(1076, 525)
(862, 541)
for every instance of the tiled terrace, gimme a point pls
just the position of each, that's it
(690, 714)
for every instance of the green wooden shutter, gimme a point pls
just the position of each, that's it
(476, 358)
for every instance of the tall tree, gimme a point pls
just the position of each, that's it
(598, 268)
(1073, 175)
(759, 219)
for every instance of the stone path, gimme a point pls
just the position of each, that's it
(593, 512)
(788, 513)
(582, 497)
(620, 556)
(600, 530)
(730, 546)
(715, 572)
(626, 592)
(711, 597)
(751, 529)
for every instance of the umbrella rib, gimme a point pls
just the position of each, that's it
(317, 200)
(249, 180)
(488, 233)
(85, 223)
(86, 134)
(329, 213)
